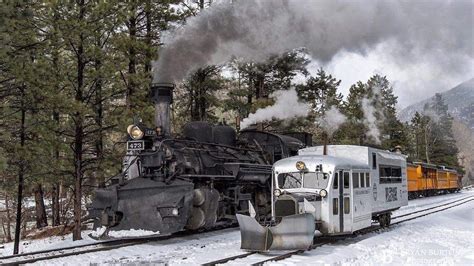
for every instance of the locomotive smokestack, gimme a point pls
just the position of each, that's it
(162, 96)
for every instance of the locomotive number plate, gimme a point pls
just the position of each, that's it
(135, 145)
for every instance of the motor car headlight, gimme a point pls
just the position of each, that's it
(135, 132)
(300, 166)
(323, 193)
(277, 192)
(175, 211)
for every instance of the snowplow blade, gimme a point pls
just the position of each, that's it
(293, 232)
(253, 236)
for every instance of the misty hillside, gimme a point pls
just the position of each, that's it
(465, 141)
(458, 99)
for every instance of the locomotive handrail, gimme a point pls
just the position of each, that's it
(207, 143)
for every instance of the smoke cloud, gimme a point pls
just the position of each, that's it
(331, 120)
(286, 106)
(253, 30)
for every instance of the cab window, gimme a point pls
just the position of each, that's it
(346, 180)
(355, 180)
(347, 205)
(336, 181)
(315, 180)
(362, 180)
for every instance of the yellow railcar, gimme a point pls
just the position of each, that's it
(413, 175)
(454, 181)
(442, 180)
(429, 179)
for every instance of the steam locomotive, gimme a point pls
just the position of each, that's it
(197, 181)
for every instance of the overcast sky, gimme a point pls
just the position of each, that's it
(412, 81)
(423, 47)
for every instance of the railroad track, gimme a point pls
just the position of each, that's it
(430, 208)
(258, 258)
(49, 254)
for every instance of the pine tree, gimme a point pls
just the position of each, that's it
(353, 132)
(392, 130)
(65, 68)
(200, 91)
(256, 81)
(321, 93)
(21, 67)
(442, 149)
(378, 92)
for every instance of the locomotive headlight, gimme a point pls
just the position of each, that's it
(300, 166)
(135, 132)
(175, 211)
(277, 192)
(323, 193)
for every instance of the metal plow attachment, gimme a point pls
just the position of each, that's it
(293, 232)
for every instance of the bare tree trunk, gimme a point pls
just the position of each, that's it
(203, 103)
(55, 193)
(148, 37)
(21, 170)
(4, 231)
(98, 108)
(55, 205)
(132, 29)
(24, 219)
(41, 218)
(79, 134)
(426, 145)
(7, 207)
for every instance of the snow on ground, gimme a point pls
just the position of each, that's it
(46, 243)
(423, 203)
(123, 233)
(444, 237)
(190, 250)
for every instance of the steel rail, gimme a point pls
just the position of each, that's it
(430, 208)
(124, 242)
(31, 257)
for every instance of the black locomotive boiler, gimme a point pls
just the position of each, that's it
(197, 181)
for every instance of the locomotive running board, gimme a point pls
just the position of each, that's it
(293, 232)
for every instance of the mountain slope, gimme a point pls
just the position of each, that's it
(457, 98)
(460, 100)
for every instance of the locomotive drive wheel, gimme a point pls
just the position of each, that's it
(204, 211)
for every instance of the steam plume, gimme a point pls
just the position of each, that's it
(286, 106)
(253, 30)
(370, 119)
(332, 120)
